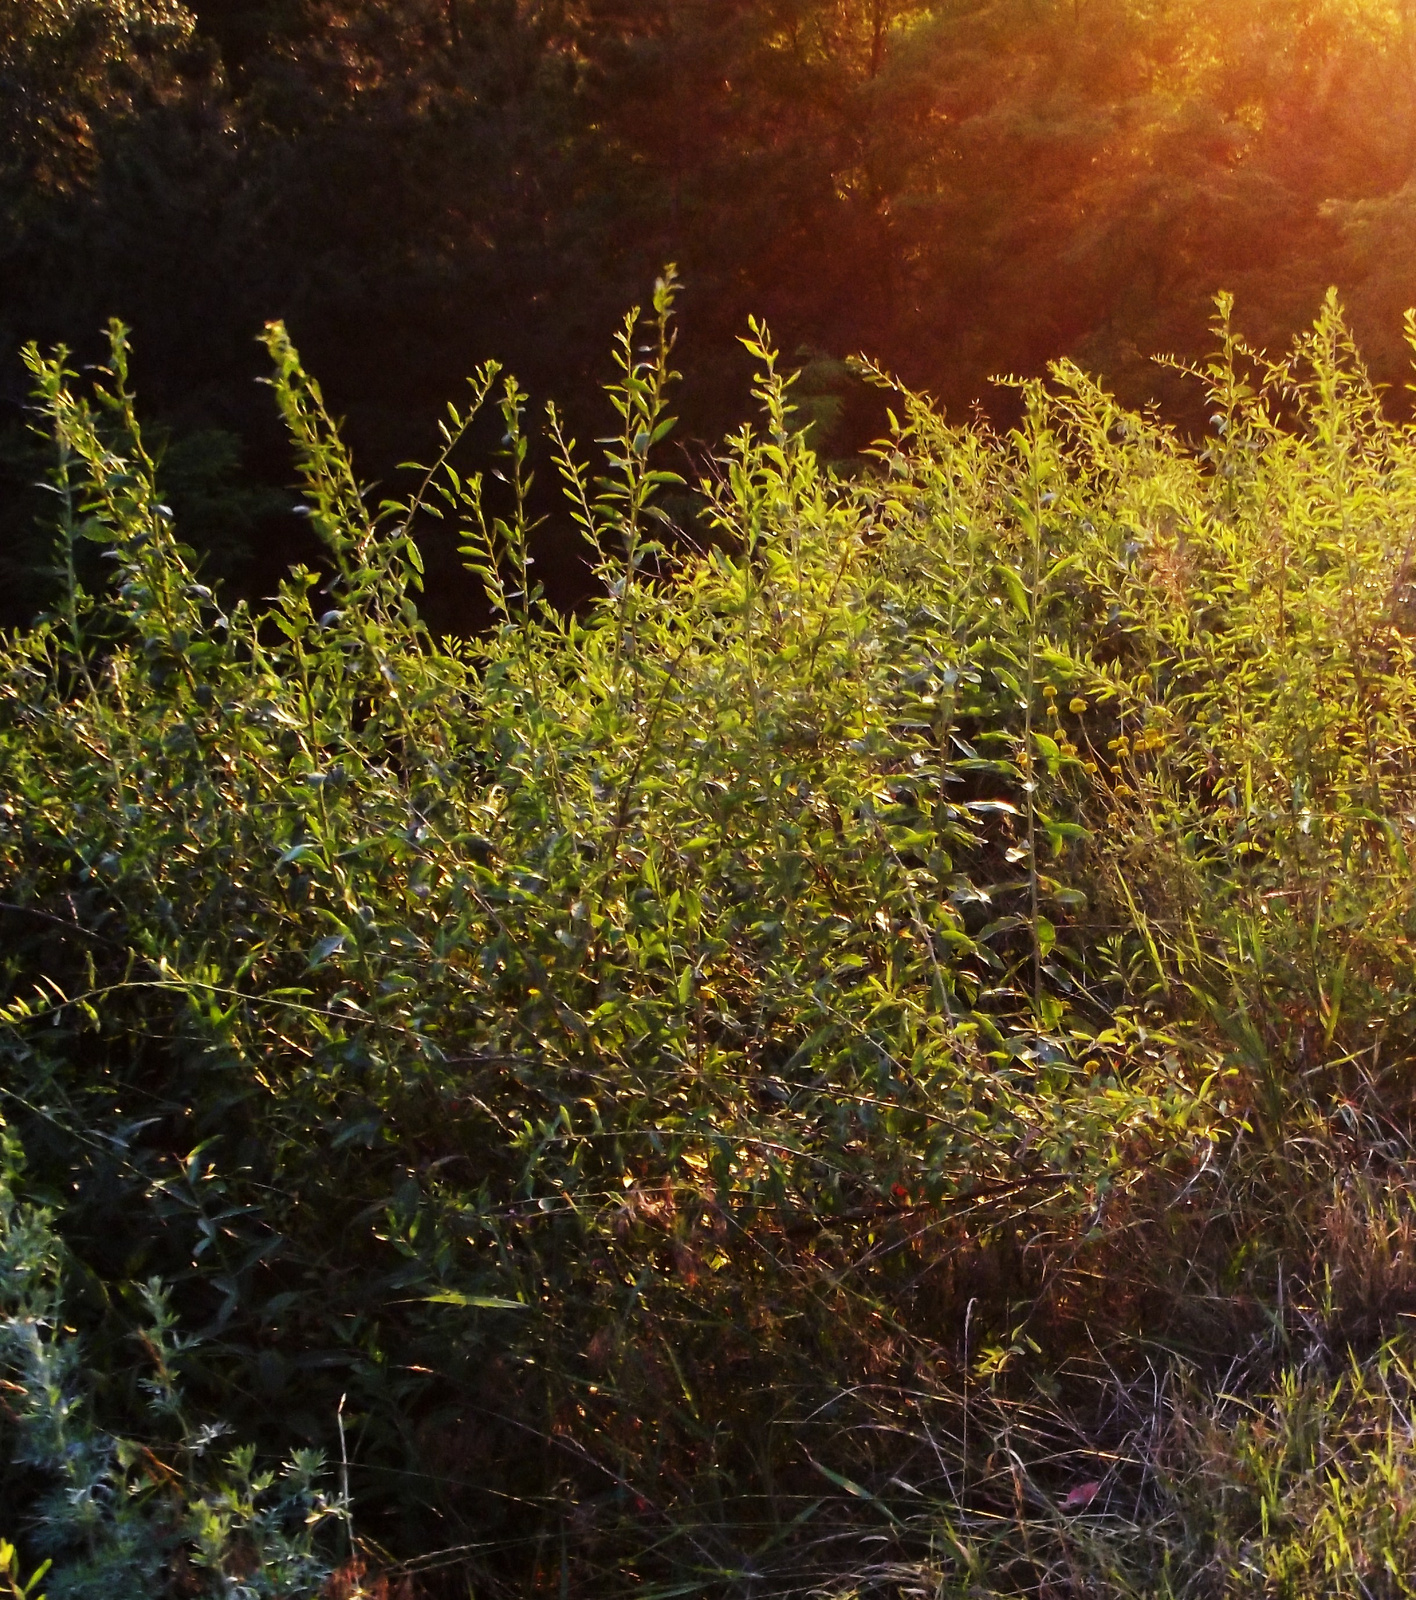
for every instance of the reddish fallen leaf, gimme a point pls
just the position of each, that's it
(1081, 1497)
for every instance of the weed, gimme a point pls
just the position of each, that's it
(873, 1059)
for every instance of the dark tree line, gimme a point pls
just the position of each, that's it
(960, 189)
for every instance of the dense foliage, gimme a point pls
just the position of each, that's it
(958, 189)
(876, 1058)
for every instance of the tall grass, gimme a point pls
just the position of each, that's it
(874, 1059)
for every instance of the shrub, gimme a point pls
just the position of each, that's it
(716, 1089)
(122, 1515)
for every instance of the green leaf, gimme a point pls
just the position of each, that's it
(1048, 750)
(326, 947)
(481, 1302)
(1013, 588)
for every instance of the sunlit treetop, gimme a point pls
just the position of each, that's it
(65, 62)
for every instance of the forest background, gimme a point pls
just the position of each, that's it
(959, 189)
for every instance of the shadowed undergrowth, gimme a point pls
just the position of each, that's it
(874, 1060)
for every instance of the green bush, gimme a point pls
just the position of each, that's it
(739, 1085)
(117, 1517)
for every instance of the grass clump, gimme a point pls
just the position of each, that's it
(874, 1059)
